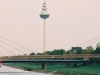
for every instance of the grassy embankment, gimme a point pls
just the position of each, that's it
(60, 68)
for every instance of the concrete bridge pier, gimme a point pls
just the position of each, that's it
(75, 64)
(44, 66)
(0, 63)
(85, 63)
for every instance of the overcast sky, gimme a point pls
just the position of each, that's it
(71, 22)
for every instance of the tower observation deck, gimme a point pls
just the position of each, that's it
(44, 13)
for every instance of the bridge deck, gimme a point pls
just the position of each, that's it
(50, 58)
(43, 61)
(56, 56)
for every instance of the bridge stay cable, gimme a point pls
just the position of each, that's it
(9, 51)
(88, 41)
(92, 43)
(2, 54)
(16, 44)
(17, 49)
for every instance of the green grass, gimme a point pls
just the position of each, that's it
(61, 68)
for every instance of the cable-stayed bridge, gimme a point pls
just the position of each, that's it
(17, 49)
(12, 48)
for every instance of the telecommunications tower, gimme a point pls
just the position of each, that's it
(44, 15)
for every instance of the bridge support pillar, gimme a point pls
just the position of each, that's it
(0, 63)
(44, 66)
(75, 64)
(85, 63)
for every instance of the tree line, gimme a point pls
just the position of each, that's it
(88, 50)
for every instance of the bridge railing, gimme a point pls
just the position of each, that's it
(51, 57)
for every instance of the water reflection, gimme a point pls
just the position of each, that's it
(10, 71)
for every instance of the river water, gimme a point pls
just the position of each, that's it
(4, 70)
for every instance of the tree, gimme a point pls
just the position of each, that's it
(47, 53)
(61, 51)
(85, 51)
(97, 51)
(39, 54)
(58, 52)
(78, 52)
(25, 54)
(32, 53)
(90, 49)
(69, 52)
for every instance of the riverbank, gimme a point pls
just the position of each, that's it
(59, 69)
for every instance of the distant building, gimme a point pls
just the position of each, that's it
(77, 50)
(98, 44)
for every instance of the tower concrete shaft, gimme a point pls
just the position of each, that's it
(44, 36)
